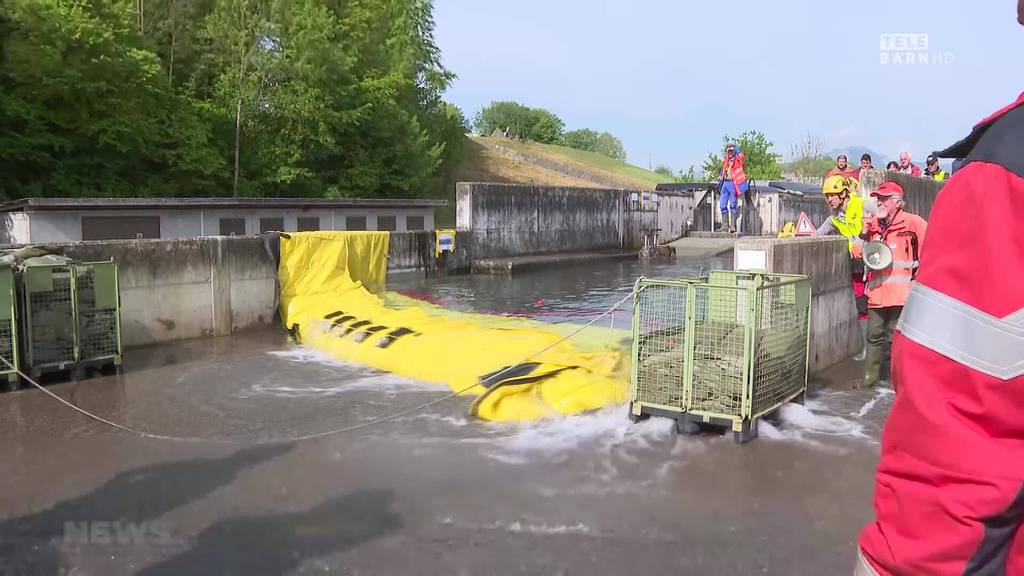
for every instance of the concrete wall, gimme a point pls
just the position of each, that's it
(211, 286)
(768, 212)
(514, 220)
(66, 226)
(835, 330)
(919, 193)
(764, 213)
(185, 288)
(415, 252)
(674, 210)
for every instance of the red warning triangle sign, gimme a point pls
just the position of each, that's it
(804, 227)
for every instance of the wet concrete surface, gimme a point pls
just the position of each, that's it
(429, 493)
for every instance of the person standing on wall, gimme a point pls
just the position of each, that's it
(888, 289)
(949, 491)
(734, 184)
(933, 170)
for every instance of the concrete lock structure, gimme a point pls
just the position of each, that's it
(208, 286)
(193, 287)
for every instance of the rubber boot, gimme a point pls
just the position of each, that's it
(732, 223)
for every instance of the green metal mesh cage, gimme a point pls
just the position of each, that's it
(70, 314)
(659, 328)
(49, 315)
(96, 298)
(732, 345)
(8, 328)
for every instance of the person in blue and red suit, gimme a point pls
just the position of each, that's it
(734, 184)
(949, 491)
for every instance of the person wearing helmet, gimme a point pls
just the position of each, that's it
(847, 207)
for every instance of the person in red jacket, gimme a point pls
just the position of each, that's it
(908, 167)
(889, 288)
(733, 184)
(842, 168)
(949, 491)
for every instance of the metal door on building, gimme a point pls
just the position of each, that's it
(120, 227)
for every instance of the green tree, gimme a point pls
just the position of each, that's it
(807, 158)
(521, 121)
(242, 47)
(581, 139)
(760, 161)
(610, 146)
(501, 116)
(597, 142)
(690, 176)
(198, 97)
(84, 106)
(665, 170)
(546, 127)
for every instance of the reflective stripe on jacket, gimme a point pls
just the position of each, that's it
(904, 236)
(949, 491)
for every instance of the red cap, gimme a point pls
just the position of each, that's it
(888, 189)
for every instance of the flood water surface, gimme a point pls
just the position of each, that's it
(430, 492)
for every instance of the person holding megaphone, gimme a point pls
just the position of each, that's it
(890, 247)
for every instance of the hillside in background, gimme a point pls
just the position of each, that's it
(853, 154)
(487, 159)
(523, 162)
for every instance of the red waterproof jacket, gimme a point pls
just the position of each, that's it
(732, 168)
(949, 492)
(904, 236)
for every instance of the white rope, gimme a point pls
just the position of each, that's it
(381, 420)
(121, 427)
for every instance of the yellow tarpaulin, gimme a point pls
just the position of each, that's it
(332, 297)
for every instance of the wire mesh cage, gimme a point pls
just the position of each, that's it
(8, 328)
(49, 310)
(659, 352)
(70, 317)
(96, 300)
(726, 348)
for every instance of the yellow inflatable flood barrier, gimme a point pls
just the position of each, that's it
(328, 283)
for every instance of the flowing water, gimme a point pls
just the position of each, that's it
(431, 492)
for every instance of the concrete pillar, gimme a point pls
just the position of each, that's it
(220, 286)
(835, 330)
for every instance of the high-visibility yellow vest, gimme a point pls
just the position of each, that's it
(852, 223)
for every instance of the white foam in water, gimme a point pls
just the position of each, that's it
(309, 355)
(803, 423)
(563, 436)
(351, 378)
(524, 527)
(453, 420)
(881, 393)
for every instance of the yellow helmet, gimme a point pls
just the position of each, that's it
(837, 184)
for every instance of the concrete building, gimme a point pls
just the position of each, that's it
(36, 220)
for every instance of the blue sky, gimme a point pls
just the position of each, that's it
(669, 78)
